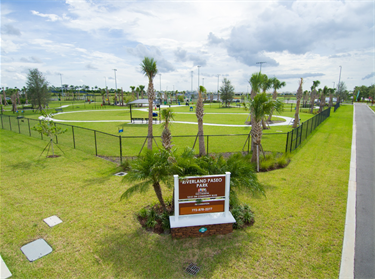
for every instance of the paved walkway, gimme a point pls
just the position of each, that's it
(364, 259)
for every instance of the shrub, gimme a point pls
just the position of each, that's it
(243, 215)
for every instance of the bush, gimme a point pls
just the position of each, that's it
(243, 215)
(273, 161)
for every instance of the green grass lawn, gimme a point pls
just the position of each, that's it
(298, 230)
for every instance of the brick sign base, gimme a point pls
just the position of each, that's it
(185, 232)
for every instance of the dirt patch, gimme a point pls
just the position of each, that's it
(53, 156)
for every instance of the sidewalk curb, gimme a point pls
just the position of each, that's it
(370, 109)
(347, 257)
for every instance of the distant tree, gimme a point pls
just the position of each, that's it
(13, 99)
(199, 112)
(323, 96)
(132, 88)
(37, 88)
(103, 96)
(226, 91)
(331, 93)
(150, 70)
(142, 89)
(341, 91)
(109, 101)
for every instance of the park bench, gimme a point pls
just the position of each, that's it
(292, 122)
(20, 117)
(58, 109)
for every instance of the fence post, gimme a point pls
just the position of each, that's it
(286, 145)
(28, 122)
(19, 128)
(120, 150)
(300, 137)
(74, 140)
(291, 141)
(207, 144)
(96, 147)
(2, 125)
(10, 124)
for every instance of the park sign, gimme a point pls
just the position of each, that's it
(201, 206)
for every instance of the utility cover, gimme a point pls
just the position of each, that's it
(4, 270)
(36, 249)
(121, 174)
(52, 221)
(192, 269)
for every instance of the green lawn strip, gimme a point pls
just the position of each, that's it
(298, 230)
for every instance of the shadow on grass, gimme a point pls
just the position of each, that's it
(146, 255)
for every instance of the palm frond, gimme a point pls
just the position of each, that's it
(140, 187)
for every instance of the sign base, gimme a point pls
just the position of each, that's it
(201, 225)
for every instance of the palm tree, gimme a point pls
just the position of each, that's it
(305, 97)
(137, 90)
(109, 102)
(166, 137)
(331, 93)
(141, 88)
(260, 106)
(323, 96)
(313, 94)
(103, 96)
(150, 70)
(199, 112)
(299, 97)
(276, 84)
(132, 88)
(150, 169)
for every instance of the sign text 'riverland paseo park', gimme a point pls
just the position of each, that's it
(202, 200)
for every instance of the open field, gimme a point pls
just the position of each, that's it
(298, 230)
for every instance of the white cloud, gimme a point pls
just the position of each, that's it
(50, 17)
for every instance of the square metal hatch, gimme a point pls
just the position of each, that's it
(36, 249)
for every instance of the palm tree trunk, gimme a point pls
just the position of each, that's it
(312, 102)
(202, 149)
(159, 194)
(151, 95)
(296, 115)
(256, 136)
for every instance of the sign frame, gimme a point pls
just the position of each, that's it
(177, 194)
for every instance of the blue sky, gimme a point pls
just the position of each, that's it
(85, 40)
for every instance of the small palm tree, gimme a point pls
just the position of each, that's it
(261, 106)
(166, 136)
(109, 102)
(150, 70)
(331, 93)
(299, 97)
(199, 112)
(142, 89)
(313, 94)
(323, 96)
(150, 170)
(276, 84)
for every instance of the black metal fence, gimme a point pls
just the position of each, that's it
(115, 147)
(299, 134)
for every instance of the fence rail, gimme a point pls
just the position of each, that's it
(299, 134)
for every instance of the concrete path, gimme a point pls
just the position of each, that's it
(364, 259)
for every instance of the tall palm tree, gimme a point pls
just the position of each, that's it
(166, 136)
(150, 70)
(313, 94)
(305, 97)
(255, 81)
(260, 106)
(299, 97)
(199, 112)
(323, 96)
(276, 84)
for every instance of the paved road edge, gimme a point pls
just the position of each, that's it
(347, 256)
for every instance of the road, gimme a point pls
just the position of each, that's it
(364, 257)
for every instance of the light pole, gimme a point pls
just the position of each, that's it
(198, 76)
(260, 64)
(105, 80)
(338, 86)
(62, 90)
(333, 84)
(191, 73)
(218, 86)
(115, 79)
